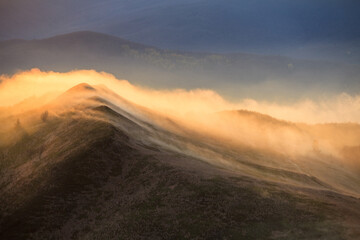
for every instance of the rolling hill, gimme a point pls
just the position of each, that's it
(237, 75)
(321, 29)
(90, 164)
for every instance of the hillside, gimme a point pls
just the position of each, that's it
(101, 167)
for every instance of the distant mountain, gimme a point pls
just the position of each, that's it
(235, 75)
(317, 29)
(100, 167)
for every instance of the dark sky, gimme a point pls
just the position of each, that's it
(265, 26)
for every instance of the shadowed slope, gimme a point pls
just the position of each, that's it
(96, 170)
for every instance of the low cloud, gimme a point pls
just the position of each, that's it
(288, 128)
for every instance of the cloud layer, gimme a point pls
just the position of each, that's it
(23, 85)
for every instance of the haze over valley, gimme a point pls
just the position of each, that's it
(179, 119)
(234, 75)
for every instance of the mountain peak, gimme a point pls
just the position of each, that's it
(82, 87)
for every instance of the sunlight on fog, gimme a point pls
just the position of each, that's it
(23, 85)
(285, 128)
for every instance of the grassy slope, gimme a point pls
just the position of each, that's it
(85, 179)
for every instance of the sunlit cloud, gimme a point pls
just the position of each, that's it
(16, 88)
(285, 128)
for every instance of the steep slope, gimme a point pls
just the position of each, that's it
(101, 167)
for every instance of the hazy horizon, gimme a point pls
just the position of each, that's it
(182, 119)
(304, 29)
(235, 76)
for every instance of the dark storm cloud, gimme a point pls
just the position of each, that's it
(327, 29)
(262, 20)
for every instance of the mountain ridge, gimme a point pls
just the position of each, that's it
(96, 162)
(315, 29)
(235, 75)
